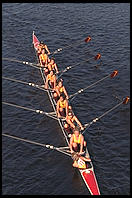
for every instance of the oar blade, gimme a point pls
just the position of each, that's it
(98, 56)
(87, 39)
(114, 74)
(125, 101)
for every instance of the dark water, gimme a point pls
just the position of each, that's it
(29, 169)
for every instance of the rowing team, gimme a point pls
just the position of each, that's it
(63, 109)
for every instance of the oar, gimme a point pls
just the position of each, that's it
(84, 54)
(41, 87)
(39, 144)
(30, 109)
(86, 40)
(112, 75)
(97, 57)
(37, 66)
(124, 101)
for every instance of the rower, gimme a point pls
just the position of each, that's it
(80, 161)
(51, 77)
(62, 106)
(44, 46)
(52, 66)
(39, 50)
(43, 58)
(72, 120)
(60, 89)
(77, 143)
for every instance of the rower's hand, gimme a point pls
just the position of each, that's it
(82, 128)
(59, 116)
(81, 153)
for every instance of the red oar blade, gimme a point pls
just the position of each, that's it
(87, 39)
(98, 56)
(126, 100)
(114, 74)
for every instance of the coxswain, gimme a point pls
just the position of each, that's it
(44, 59)
(60, 89)
(80, 161)
(62, 106)
(44, 46)
(72, 120)
(52, 66)
(77, 143)
(50, 78)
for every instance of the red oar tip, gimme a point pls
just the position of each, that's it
(126, 100)
(98, 56)
(114, 73)
(87, 39)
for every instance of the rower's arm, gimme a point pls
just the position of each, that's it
(65, 92)
(67, 107)
(71, 143)
(81, 144)
(54, 82)
(40, 60)
(47, 49)
(46, 61)
(70, 123)
(57, 91)
(78, 122)
(46, 83)
(57, 109)
(56, 68)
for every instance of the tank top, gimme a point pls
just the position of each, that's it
(62, 104)
(61, 89)
(43, 57)
(78, 141)
(51, 78)
(51, 67)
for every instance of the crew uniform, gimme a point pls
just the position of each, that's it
(67, 126)
(51, 66)
(43, 58)
(51, 79)
(62, 104)
(78, 142)
(61, 91)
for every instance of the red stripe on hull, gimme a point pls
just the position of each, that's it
(91, 182)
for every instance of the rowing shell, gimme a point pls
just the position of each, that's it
(88, 174)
